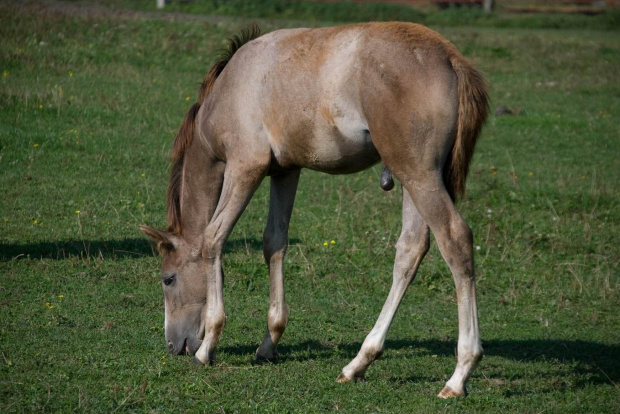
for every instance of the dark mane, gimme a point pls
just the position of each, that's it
(234, 43)
(186, 132)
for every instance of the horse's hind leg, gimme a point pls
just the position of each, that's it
(411, 248)
(455, 241)
(275, 243)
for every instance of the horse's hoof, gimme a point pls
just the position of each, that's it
(343, 378)
(259, 359)
(448, 392)
(198, 362)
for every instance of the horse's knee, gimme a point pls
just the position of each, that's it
(456, 246)
(461, 233)
(274, 248)
(414, 243)
(275, 238)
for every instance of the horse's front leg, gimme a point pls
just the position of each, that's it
(412, 246)
(275, 243)
(239, 185)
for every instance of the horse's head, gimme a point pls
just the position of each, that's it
(185, 290)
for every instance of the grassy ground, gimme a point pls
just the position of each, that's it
(88, 109)
(347, 11)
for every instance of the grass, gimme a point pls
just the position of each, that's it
(347, 11)
(89, 106)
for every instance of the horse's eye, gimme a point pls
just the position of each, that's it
(169, 279)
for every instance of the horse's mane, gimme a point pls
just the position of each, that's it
(186, 132)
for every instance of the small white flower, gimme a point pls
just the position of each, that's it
(477, 247)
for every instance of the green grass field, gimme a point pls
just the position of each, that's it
(89, 106)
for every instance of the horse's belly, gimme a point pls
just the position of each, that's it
(328, 151)
(345, 155)
(328, 135)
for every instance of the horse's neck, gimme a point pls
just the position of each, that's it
(203, 176)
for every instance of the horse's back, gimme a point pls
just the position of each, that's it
(312, 98)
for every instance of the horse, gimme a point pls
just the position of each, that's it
(336, 100)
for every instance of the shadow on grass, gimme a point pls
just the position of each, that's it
(106, 249)
(595, 362)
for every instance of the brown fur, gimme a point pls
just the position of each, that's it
(186, 133)
(473, 111)
(472, 93)
(335, 100)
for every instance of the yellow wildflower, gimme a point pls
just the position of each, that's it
(36, 145)
(333, 242)
(187, 98)
(324, 243)
(61, 296)
(77, 211)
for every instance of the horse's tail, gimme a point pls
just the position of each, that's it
(472, 113)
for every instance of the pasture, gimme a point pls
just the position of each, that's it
(89, 105)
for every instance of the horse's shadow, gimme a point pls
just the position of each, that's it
(599, 363)
(105, 249)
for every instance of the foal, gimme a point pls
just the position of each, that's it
(336, 100)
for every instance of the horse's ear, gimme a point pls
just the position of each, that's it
(163, 239)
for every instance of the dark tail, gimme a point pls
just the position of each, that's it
(473, 111)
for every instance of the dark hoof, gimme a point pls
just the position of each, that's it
(260, 359)
(196, 361)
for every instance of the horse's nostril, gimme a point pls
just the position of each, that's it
(170, 347)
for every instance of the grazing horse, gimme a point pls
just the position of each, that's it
(336, 100)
